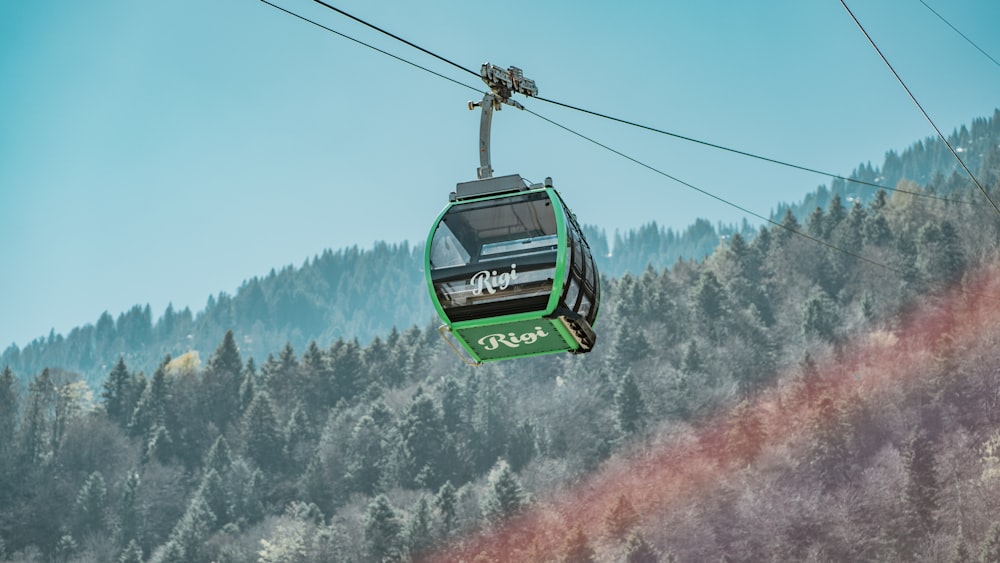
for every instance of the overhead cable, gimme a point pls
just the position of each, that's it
(921, 108)
(955, 29)
(372, 47)
(621, 154)
(620, 120)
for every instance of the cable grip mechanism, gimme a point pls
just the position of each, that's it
(503, 84)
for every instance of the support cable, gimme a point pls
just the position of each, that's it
(716, 197)
(616, 119)
(608, 148)
(955, 29)
(921, 108)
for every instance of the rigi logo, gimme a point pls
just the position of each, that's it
(491, 282)
(491, 342)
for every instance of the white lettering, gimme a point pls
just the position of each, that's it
(491, 342)
(491, 282)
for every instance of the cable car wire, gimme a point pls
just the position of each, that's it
(748, 154)
(921, 108)
(620, 120)
(599, 144)
(397, 38)
(372, 47)
(716, 197)
(955, 29)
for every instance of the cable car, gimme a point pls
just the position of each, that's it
(508, 268)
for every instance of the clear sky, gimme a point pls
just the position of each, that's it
(157, 152)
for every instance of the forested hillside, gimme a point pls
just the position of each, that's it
(355, 293)
(822, 397)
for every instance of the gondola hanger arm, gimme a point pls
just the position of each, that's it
(503, 84)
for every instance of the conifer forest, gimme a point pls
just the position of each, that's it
(754, 395)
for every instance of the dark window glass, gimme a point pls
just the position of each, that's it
(495, 257)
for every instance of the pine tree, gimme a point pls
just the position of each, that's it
(504, 495)
(91, 503)
(638, 550)
(630, 409)
(446, 501)
(132, 553)
(423, 449)
(219, 456)
(521, 447)
(151, 410)
(129, 524)
(989, 550)
(419, 529)
(921, 487)
(489, 424)
(370, 449)
(577, 550)
(216, 498)
(8, 416)
(33, 443)
(383, 531)
(348, 371)
(710, 306)
(222, 379)
(621, 519)
(185, 541)
(264, 444)
(115, 394)
(299, 439)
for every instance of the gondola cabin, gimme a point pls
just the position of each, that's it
(510, 272)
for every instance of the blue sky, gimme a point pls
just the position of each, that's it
(156, 152)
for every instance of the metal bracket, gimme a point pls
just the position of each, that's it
(503, 84)
(464, 357)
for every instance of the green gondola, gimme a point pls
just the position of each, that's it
(508, 268)
(510, 272)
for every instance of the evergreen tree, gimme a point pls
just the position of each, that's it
(746, 434)
(347, 371)
(828, 453)
(248, 386)
(34, 430)
(370, 450)
(299, 439)
(621, 519)
(961, 553)
(129, 524)
(446, 501)
(222, 379)
(219, 457)
(989, 550)
(710, 306)
(216, 498)
(116, 392)
(489, 428)
(91, 503)
(383, 531)
(521, 447)
(789, 226)
(264, 444)
(921, 488)
(577, 550)
(187, 537)
(638, 550)
(422, 439)
(131, 554)
(8, 417)
(504, 495)
(819, 317)
(151, 410)
(630, 409)
(418, 531)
